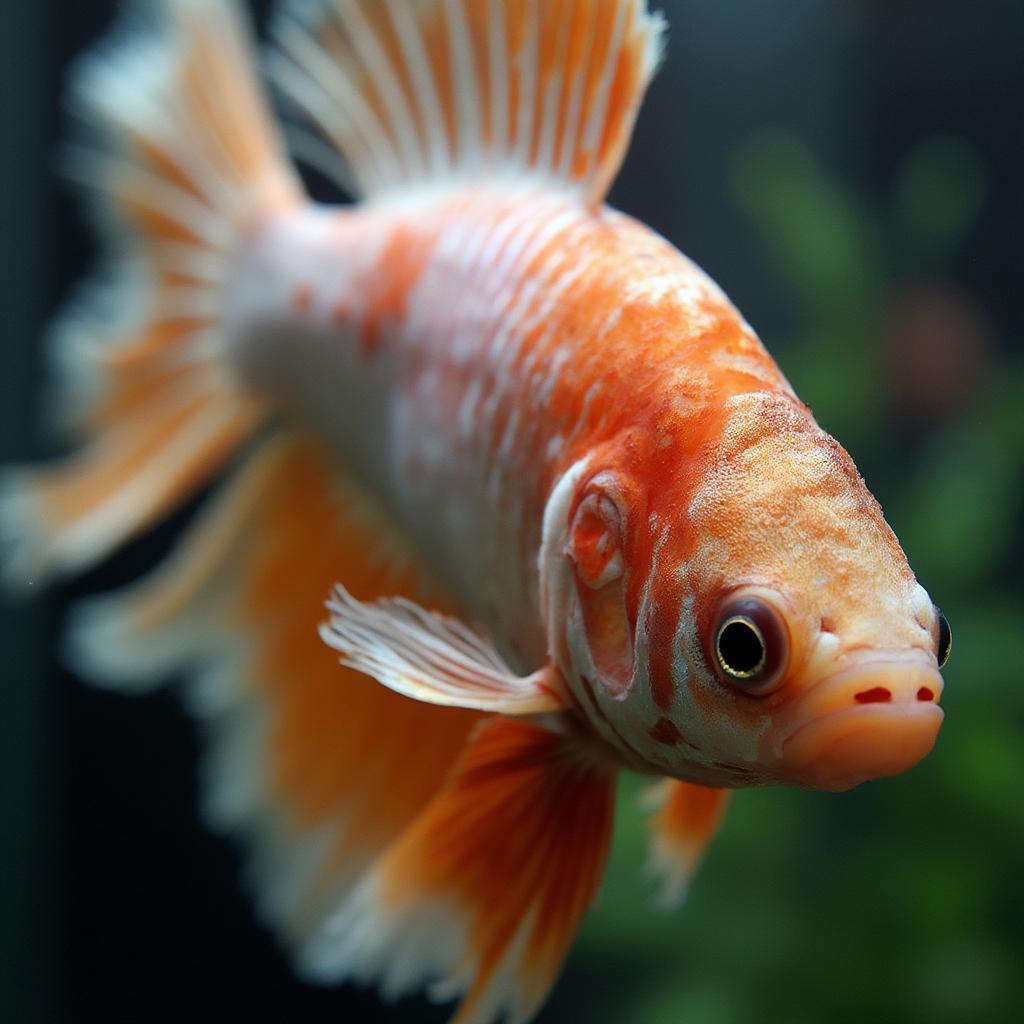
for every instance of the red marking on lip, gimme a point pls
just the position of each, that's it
(925, 694)
(876, 695)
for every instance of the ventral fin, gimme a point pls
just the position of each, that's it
(480, 897)
(410, 93)
(686, 818)
(433, 658)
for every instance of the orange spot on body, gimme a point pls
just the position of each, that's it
(302, 299)
(341, 313)
(665, 731)
(399, 266)
(369, 337)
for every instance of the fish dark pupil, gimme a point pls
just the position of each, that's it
(945, 640)
(740, 648)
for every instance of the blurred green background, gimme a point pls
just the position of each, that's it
(850, 172)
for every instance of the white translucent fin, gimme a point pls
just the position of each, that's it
(411, 92)
(433, 658)
(178, 154)
(686, 819)
(480, 897)
(168, 622)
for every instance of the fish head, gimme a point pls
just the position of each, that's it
(744, 615)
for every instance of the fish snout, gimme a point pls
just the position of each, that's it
(871, 719)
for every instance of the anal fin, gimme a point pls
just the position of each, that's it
(315, 767)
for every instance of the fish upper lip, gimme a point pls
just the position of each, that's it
(892, 667)
(833, 699)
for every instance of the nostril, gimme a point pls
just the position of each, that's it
(925, 694)
(876, 695)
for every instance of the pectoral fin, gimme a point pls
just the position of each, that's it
(686, 820)
(433, 658)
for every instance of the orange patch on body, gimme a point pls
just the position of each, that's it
(665, 731)
(398, 268)
(302, 299)
(341, 312)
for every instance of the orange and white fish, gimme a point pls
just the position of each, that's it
(477, 391)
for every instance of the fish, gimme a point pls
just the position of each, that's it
(503, 496)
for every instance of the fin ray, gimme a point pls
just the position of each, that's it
(179, 154)
(439, 90)
(433, 658)
(482, 893)
(305, 758)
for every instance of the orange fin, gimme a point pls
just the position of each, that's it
(686, 820)
(434, 658)
(480, 897)
(180, 155)
(410, 93)
(314, 766)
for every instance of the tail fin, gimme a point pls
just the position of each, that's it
(182, 157)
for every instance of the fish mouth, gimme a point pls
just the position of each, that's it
(874, 718)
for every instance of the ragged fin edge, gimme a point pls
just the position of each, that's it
(434, 658)
(446, 91)
(686, 819)
(481, 896)
(172, 619)
(179, 156)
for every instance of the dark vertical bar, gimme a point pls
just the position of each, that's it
(27, 983)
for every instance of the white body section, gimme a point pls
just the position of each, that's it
(420, 418)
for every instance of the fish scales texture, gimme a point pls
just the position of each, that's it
(513, 498)
(501, 341)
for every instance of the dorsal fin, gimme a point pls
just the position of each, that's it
(417, 91)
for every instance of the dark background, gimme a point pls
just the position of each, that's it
(851, 173)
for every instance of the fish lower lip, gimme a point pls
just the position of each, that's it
(871, 741)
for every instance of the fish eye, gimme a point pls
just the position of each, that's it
(749, 648)
(945, 644)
